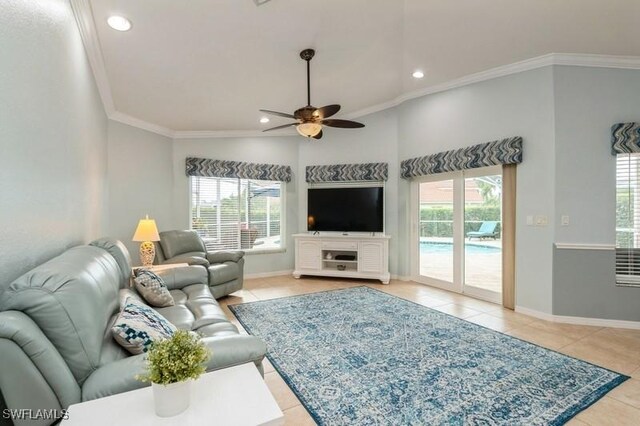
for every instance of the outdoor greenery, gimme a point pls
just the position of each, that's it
(177, 359)
(206, 222)
(437, 221)
(624, 217)
(490, 194)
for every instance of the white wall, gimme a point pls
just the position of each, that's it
(53, 137)
(515, 105)
(376, 142)
(271, 150)
(140, 170)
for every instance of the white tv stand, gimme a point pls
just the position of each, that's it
(367, 256)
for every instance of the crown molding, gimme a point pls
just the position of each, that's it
(141, 124)
(597, 61)
(86, 25)
(205, 134)
(89, 35)
(564, 59)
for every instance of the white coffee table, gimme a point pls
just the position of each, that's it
(235, 396)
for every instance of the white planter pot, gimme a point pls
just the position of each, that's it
(171, 400)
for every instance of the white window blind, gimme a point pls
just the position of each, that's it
(628, 219)
(237, 214)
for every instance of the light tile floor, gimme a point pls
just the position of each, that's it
(612, 348)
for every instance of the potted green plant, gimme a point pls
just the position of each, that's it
(172, 364)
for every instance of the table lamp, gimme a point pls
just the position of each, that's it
(145, 234)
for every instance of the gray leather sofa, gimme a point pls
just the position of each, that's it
(56, 347)
(225, 268)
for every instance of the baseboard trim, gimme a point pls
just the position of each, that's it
(596, 322)
(269, 274)
(400, 277)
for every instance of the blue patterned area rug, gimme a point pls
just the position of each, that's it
(360, 356)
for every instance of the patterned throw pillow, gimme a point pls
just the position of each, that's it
(152, 288)
(138, 326)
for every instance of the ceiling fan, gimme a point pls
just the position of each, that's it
(309, 118)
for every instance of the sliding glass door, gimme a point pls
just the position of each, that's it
(458, 232)
(437, 231)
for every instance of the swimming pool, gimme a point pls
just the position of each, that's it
(438, 247)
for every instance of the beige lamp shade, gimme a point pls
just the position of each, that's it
(146, 230)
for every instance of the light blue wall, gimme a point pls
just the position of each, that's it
(272, 150)
(140, 174)
(515, 105)
(376, 142)
(554, 109)
(53, 137)
(587, 102)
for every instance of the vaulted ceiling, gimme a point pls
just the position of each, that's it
(211, 64)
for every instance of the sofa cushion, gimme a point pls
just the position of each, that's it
(194, 308)
(175, 243)
(221, 273)
(218, 330)
(71, 298)
(138, 326)
(152, 288)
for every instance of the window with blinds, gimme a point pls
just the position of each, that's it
(628, 219)
(237, 214)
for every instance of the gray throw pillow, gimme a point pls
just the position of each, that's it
(153, 289)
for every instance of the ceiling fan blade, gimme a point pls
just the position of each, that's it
(326, 111)
(281, 127)
(280, 114)
(318, 136)
(345, 124)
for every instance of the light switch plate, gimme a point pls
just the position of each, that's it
(541, 220)
(529, 220)
(564, 220)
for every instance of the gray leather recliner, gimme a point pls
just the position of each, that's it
(225, 268)
(56, 347)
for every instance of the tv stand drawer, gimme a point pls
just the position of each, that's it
(339, 245)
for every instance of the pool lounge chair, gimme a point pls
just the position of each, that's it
(487, 230)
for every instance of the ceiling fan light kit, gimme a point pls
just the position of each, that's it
(309, 118)
(309, 130)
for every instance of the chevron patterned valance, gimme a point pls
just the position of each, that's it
(237, 169)
(505, 151)
(625, 138)
(367, 172)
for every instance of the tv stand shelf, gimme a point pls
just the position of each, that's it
(316, 255)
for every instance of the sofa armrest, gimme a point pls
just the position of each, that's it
(180, 277)
(225, 256)
(120, 376)
(228, 351)
(33, 374)
(191, 260)
(116, 377)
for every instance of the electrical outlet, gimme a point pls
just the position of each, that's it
(564, 220)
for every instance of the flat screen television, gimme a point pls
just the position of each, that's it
(357, 209)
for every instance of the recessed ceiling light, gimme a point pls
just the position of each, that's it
(119, 23)
(264, 120)
(417, 74)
